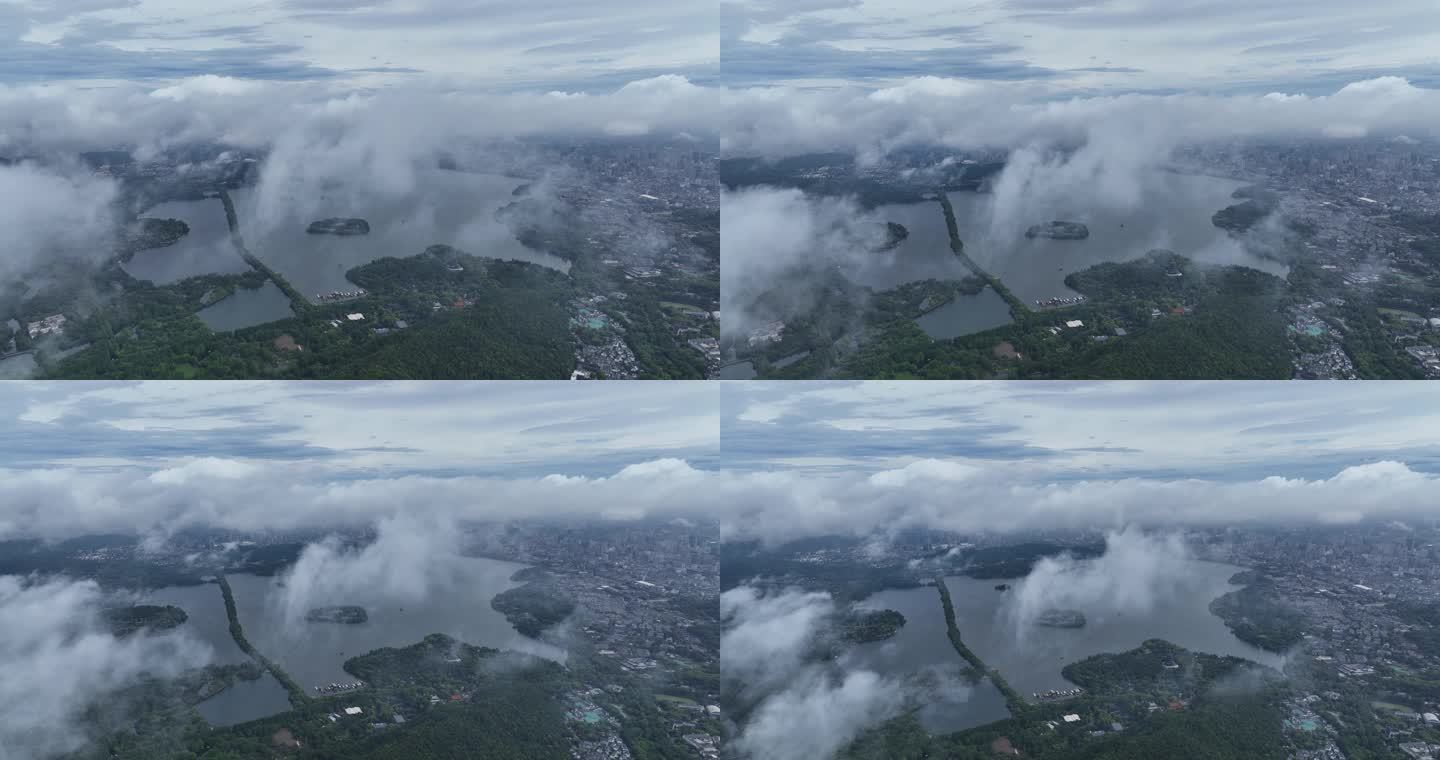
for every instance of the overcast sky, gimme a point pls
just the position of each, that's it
(1083, 46)
(157, 457)
(872, 457)
(396, 428)
(565, 44)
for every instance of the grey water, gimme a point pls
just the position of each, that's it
(923, 255)
(922, 647)
(314, 654)
(18, 367)
(247, 308)
(440, 207)
(206, 620)
(738, 371)
(206, 249)
(966, 315)
(245, 701)
(1175, 214)
(1031, 657)
(786, 361)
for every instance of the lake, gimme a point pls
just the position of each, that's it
(1175, 214)
(206, 249)
(247, 308)
(922, 646)
(1031, 657)
(314, 654)
(965, 315)
(245, 701)
(738, 371)
(453, 208)
(923, 255)
(204, 607)
(18, 367)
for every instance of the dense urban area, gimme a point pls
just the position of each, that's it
(1355, 223)
(1353, 611)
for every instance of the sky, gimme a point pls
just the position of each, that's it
(876, 457)
(545, 44)
(157, 457)
(1081, 46)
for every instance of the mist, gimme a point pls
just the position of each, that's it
(54, 213)
(1135, 572)
(772, 240)
(60, 661)
(798, 707)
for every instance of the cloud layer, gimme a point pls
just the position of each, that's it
(59, 661)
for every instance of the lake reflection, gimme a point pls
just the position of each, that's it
(314, 653)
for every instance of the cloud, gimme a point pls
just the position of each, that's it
(51, 213)
(1135, 572)
(413, 555)
(969, 114)
(59, 662)
(802, 708)
(818, 715)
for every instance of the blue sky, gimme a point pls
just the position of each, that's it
(1083, 46)
(541, 44)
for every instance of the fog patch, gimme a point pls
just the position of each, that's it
(60, 660)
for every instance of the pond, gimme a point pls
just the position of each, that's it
(247, 308)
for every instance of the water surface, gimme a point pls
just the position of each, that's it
(247, 308)
(923, 255)
(1174, 213)
(966, 315)
(453, 208)
(922, 646)
(314, 653)
(205, 250)
(1031, 657)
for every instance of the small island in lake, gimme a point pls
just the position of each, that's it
(338, 226)
(1058, 230)
(1055, 618)
(124, 621)
(876, 625)
(152, 233)
(895, 234)
(345, 613)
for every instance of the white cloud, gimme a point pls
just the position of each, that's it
(59, 661)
